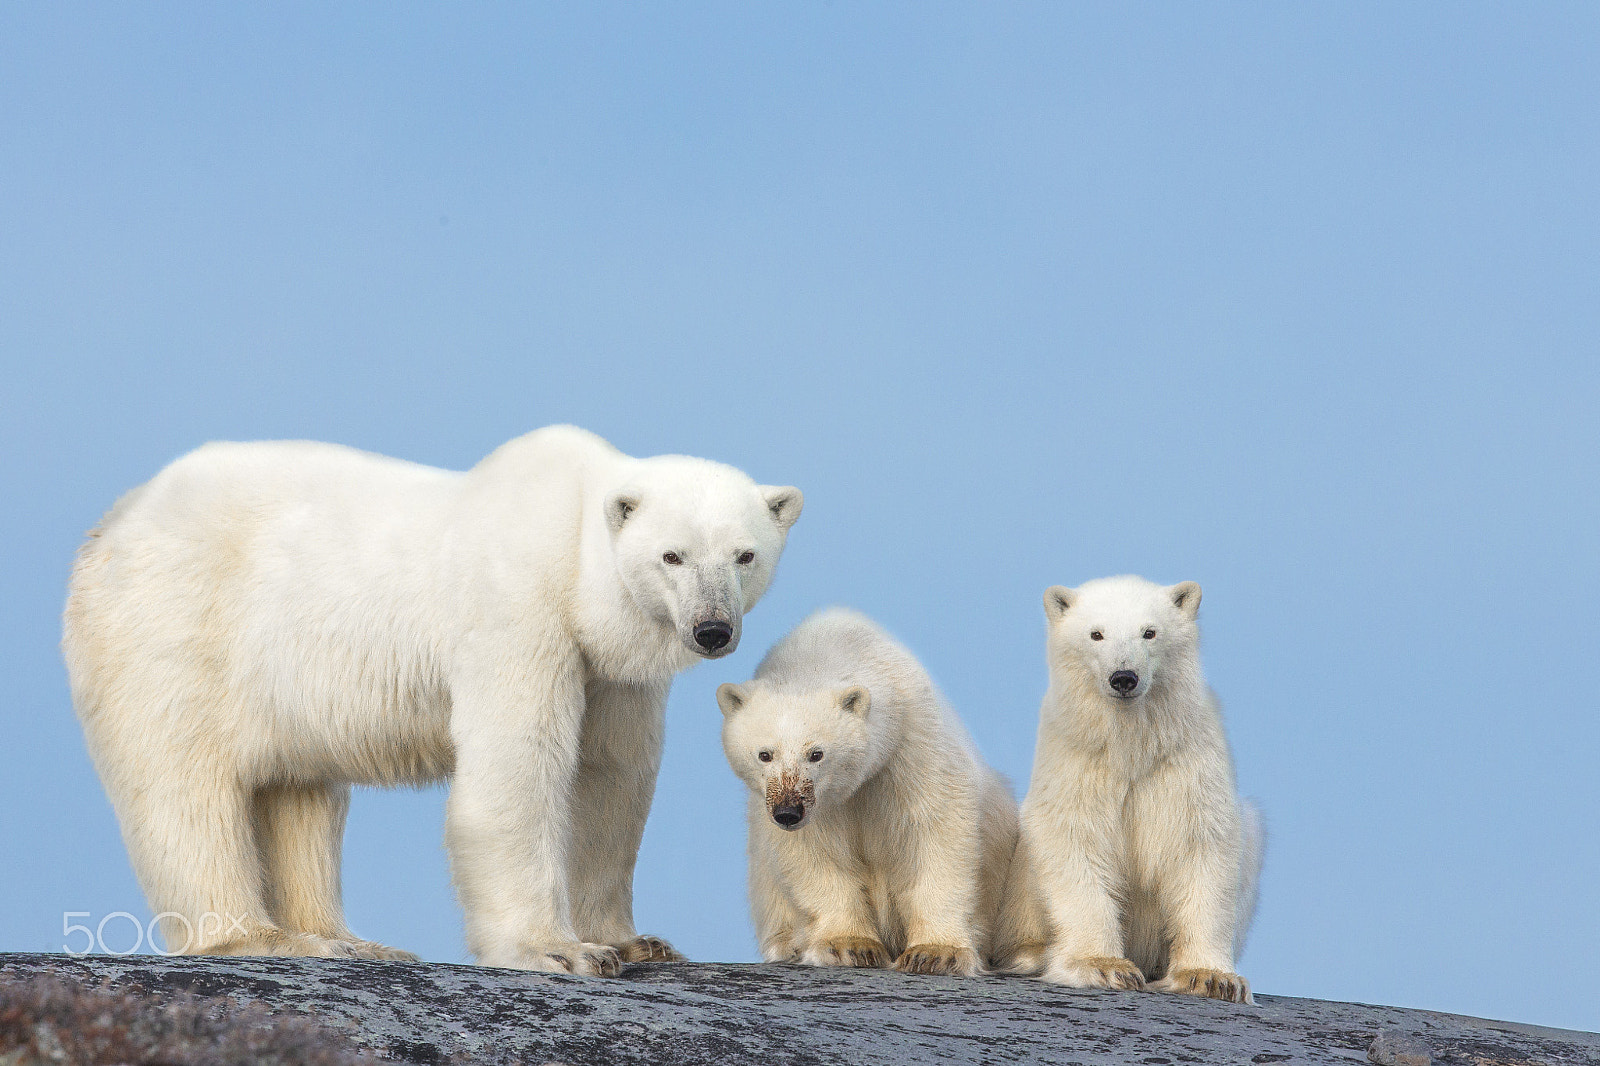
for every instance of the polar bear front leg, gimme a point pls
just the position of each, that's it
(1195, 870)
(939, 872)
(1071, 826)
(508, 819)
(828, 884)
(620, 755)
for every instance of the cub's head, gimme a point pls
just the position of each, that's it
(1121, 636)
(802, 750)
(695, 543)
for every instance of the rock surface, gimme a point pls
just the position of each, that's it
(731, 1015)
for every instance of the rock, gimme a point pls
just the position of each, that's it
(667, 1014)
(1397, 1049)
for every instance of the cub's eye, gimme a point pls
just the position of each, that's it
(746, 558)
(1097, 635)
(1149, 634)
(816, 756)
(764, 756)
(671, 559)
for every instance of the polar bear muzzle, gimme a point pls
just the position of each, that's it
(1124, 683)
(713, 635)
(790, 815)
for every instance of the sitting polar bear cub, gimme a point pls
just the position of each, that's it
(1137, 861)
(262, 625)
(876, 831)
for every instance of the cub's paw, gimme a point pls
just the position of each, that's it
(1213, 984)
(939, 959)
(1097, 971)
(649, 949)
(574, 957)
(848, 951)
(780, 949)
(1025, 960)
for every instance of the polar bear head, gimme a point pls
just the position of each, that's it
(802, 750)
(1122, 638)
(695, 544)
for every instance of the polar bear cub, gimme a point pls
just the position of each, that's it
(1138, 862)
(876, 831)
(263, 625)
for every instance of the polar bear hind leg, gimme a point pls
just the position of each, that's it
(193, 847)
(299, 831)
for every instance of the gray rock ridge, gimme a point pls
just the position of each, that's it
(667, 1014)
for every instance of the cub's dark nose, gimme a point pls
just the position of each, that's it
(1124, 682)
(713, 636)
(788, 815)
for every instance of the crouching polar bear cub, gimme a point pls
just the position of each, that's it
(262, 625)
(876, 831)
(1137, 860)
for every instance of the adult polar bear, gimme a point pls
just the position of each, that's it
(262, 625)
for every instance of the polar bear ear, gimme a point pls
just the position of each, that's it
(784, 501)
(855, 700)
(1058, 599)
(618, 508)
(730, 698)
(1186, 598)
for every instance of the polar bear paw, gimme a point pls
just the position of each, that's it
(1212, 984)
(574, 957)
(938, 959)
(1025, 960)
(848, 951)
(268, 941)
(1097, 971)
(371, 949)
(649, 949)
(781, 948)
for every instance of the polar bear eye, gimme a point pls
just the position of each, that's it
(1097, 635)
(764, 756)
(1149, 634)
(816, 756)
(746, 558)
(671, 559)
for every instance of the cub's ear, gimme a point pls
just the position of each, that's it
(1186, 598)
(730, 698)
(618, 508)
(784, 501)
(1058, 599)
(855, 700)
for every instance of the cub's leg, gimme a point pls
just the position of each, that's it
(617, 765)
(1189, 843)
(517, 729)
(299, 831)
(937, 876)
(827, 882)
(780, 927)
(1252, 851)
(1072, 826)
(1021, 938)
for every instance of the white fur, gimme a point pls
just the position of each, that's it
(906, 835)
(1137, 861)
(262, 625)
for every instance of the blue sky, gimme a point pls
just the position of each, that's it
(1300, 302)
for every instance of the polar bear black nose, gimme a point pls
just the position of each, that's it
(1124, 681)
(713, 635)
(788, 815)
